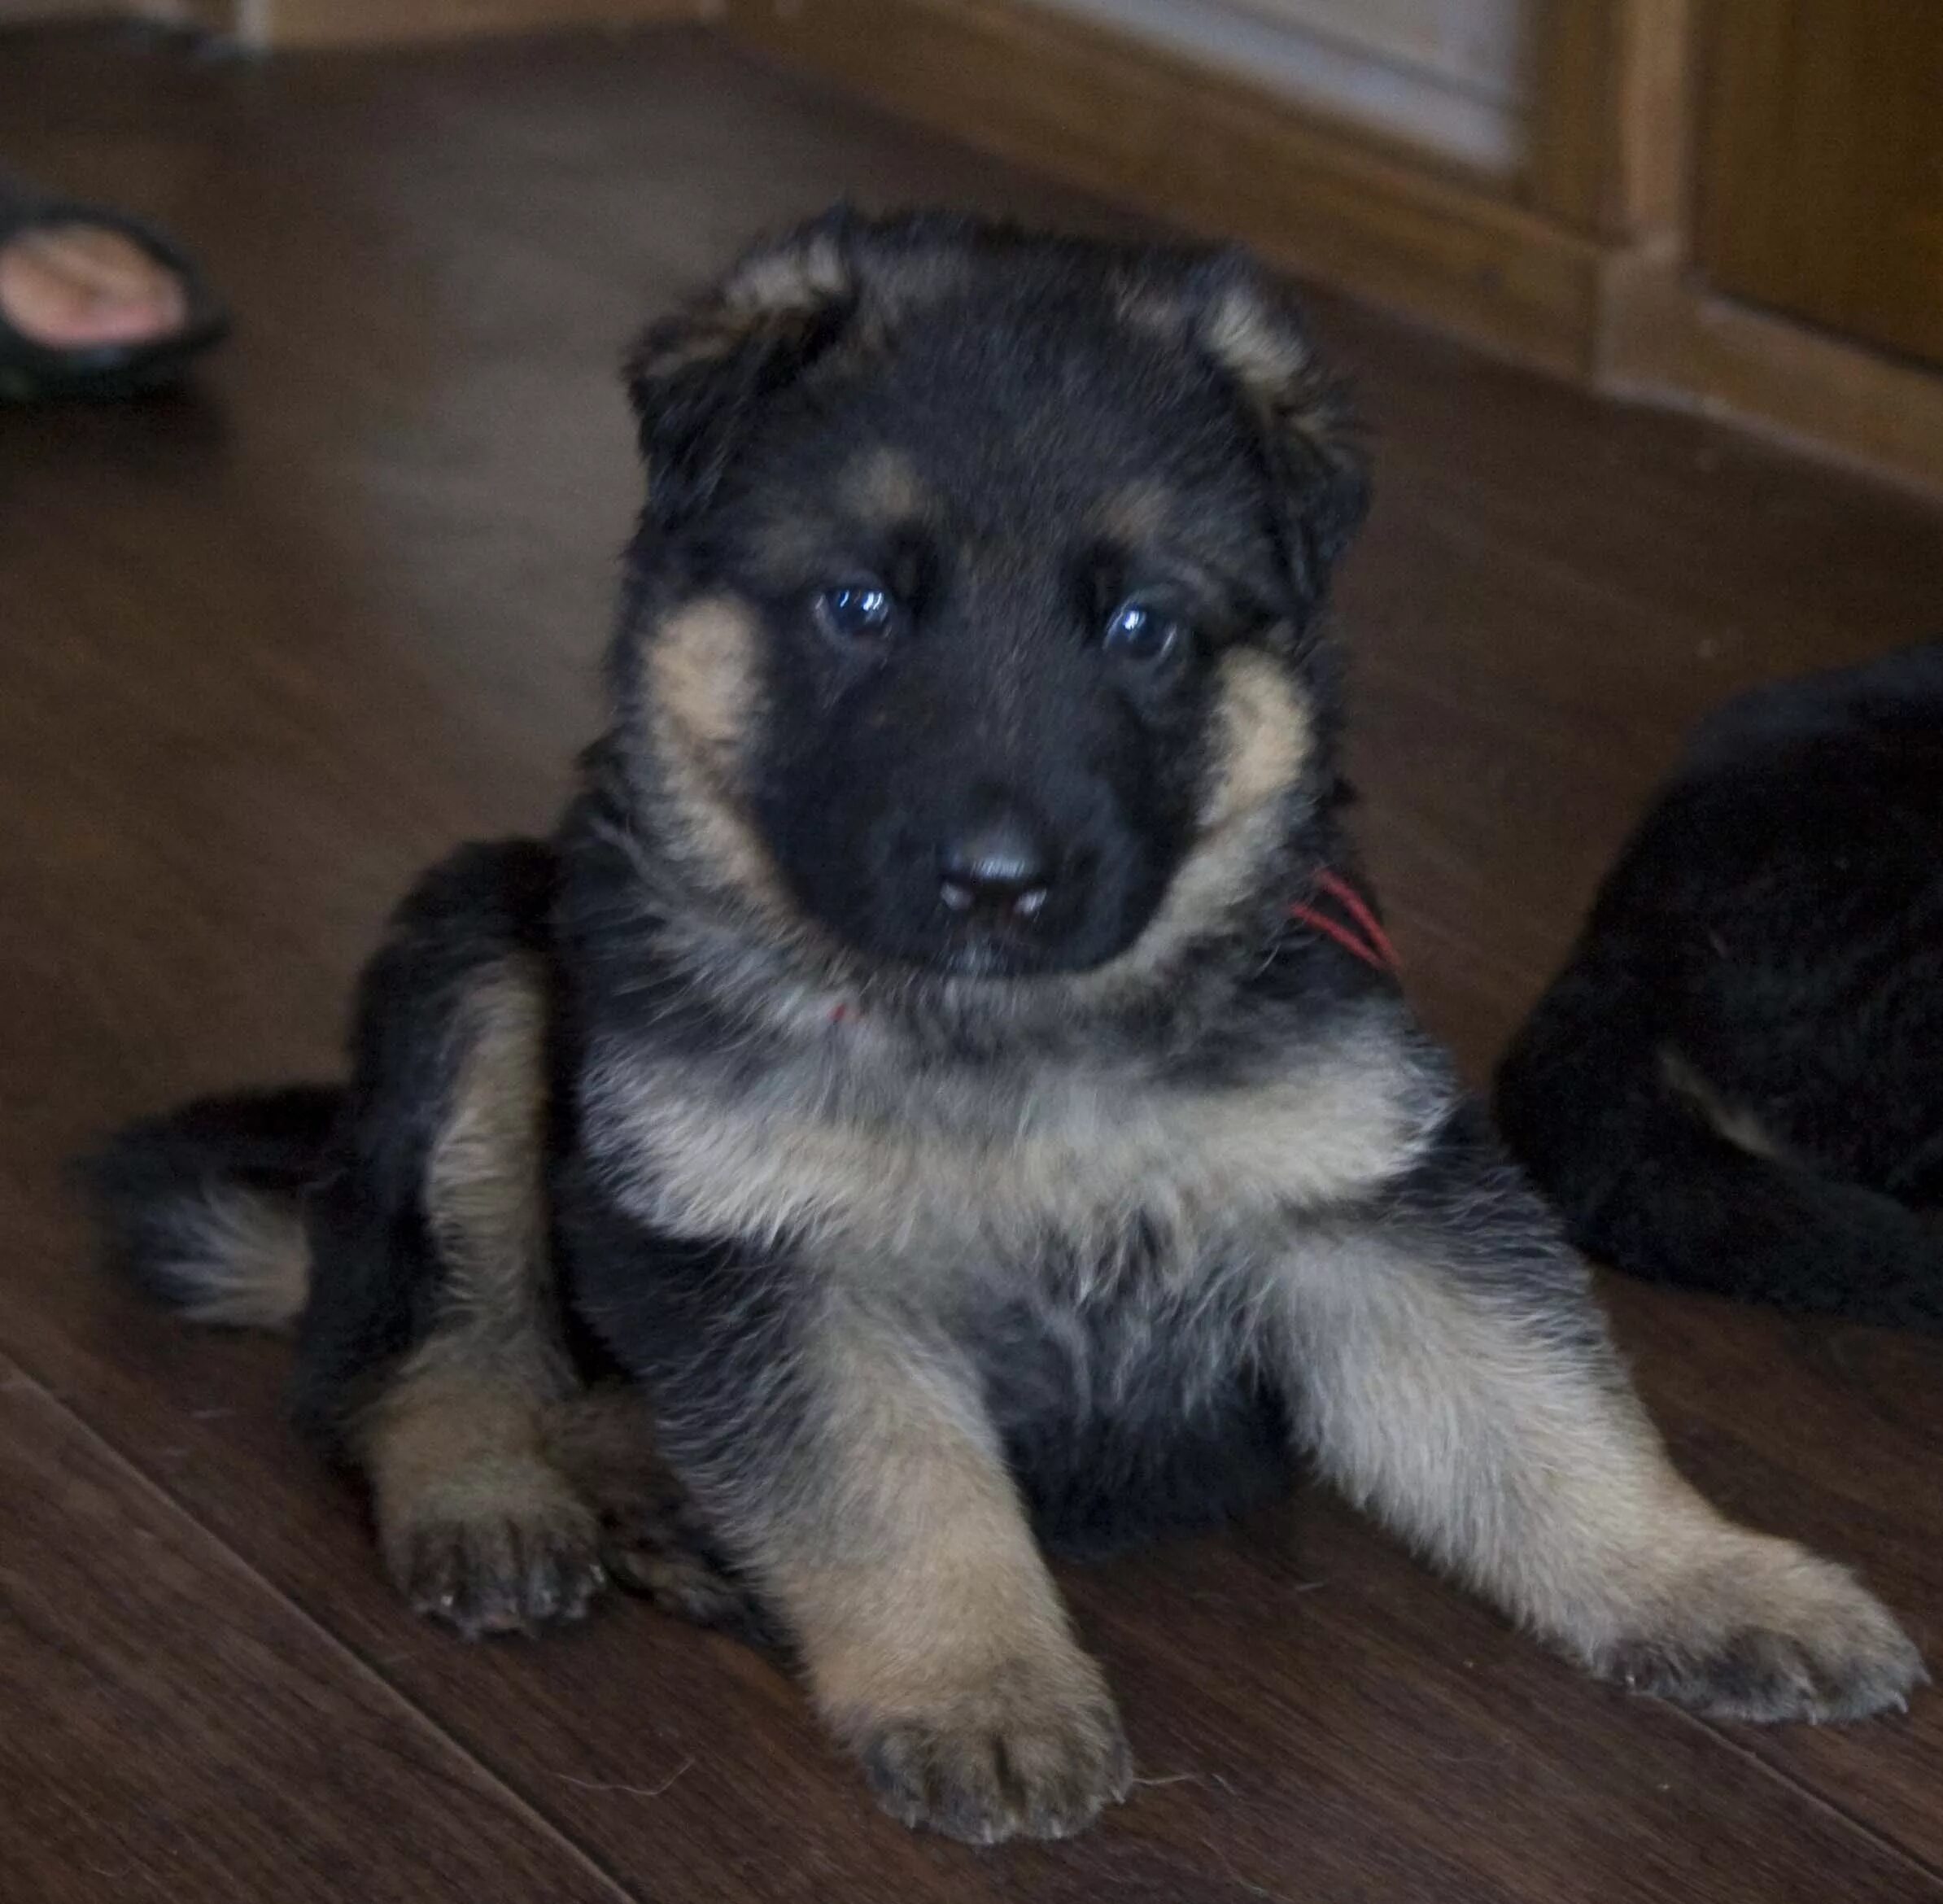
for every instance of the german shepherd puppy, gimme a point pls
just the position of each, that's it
(926, 1059)
(1736, 1082)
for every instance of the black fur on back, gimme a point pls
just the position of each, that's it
(1774, 928)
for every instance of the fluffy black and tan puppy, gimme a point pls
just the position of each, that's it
(928, 1053)
(1736, 1083)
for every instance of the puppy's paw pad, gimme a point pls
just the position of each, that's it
(514, 1568)
(1782, 1636)
(995, 1767)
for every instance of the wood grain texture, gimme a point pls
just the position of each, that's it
(1570, 167)
(270, 646)
(174, 1729)
(1821, 164)
(1652, 93)
(1611, 109)
(385, 22)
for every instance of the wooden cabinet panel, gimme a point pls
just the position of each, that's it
(1449, 77)
(1475, 46)
(1821, 177)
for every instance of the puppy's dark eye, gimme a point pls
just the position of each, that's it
(858, 611)
(1139, 632)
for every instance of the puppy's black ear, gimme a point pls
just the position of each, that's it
(697, 378)
(1254, 333)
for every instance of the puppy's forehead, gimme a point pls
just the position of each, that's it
(991, 420)
(885, 487)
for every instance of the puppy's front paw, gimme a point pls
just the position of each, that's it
(1022, 1754)
(1772, 1633)
(507, 1550)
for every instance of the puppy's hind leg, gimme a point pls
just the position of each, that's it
(432, 1351)
(1456, 1378)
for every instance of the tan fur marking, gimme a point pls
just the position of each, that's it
(469, 1502)
(473, 1518)
(1266, 739)
(248, 1258)
(702, 669)
(446, 1443)
(1535, 1476)
(483, 1191)
(1261, 347)
(883, 486)
(702, 663)
(770, 290)
(792, 280)
(1084, 1156)
(485, 1198)
(1252, 341)
(1738, 1124)
(924, 1609)
(707, 336)
(1501, 1453)
(945, 1588)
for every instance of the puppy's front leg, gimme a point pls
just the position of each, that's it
(1457, 1379)
(874, 1508)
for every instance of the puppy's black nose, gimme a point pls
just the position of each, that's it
(1003, 867)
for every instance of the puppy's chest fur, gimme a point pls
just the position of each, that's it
(1097, 1243)
(885, 1167)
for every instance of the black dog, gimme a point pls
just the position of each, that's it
(929, 1054)
(1737, 1081)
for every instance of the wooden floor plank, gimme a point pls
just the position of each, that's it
(1298, 1682)
(173, 1730)
(264, 651)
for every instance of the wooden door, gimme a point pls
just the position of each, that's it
(1821, 164)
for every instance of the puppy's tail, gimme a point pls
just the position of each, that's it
(1651, 1179)
(204, 1205)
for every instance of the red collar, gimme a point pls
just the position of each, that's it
(1361, 934)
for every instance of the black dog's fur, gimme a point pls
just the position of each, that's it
(908, 1054)
(1736, 1082)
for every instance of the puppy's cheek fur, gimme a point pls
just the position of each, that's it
(1267, 738)
(703, 669)
(1262, 741)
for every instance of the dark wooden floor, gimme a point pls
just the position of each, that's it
(264, 650)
